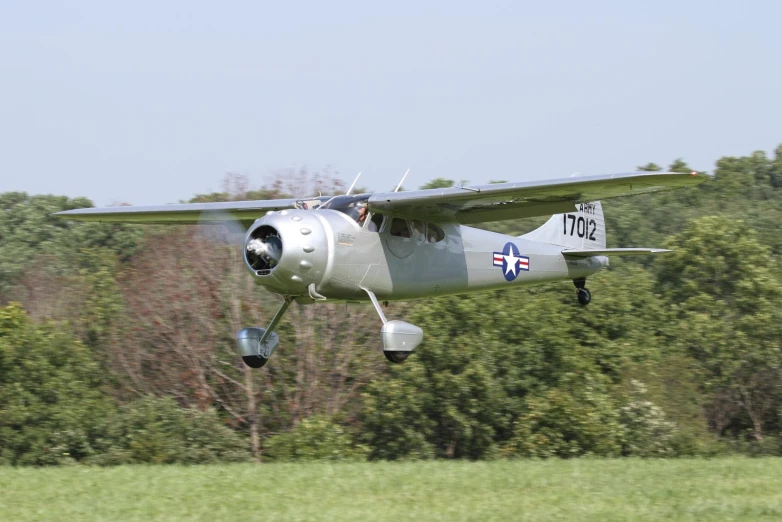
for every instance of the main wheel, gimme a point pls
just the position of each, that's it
(396, 357)
(584, 296)
(254, 361)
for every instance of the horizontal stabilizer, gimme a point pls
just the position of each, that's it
(614, 252)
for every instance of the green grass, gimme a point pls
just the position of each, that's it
(720, 489)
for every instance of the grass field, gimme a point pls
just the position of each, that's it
(721, 489)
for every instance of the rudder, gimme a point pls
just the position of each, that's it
(580, 230)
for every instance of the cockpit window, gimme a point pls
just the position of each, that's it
(434, 234)
(375, 222)
(419, 228)
(307, 204)
(354, 207)
(399, 228)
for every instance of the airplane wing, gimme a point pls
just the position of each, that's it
(181, 214)
(465, 205)
(482, 203)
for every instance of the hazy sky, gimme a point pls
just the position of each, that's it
(151, 102)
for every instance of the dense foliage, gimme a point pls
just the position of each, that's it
(116, 344)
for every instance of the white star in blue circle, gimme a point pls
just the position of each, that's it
(512, 263)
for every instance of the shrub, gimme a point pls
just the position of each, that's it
(574, 420)
(647, 433)
(316, 438)
(158, 431)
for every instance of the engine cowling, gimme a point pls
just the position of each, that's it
(288, 250)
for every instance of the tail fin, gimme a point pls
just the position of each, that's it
(581, 230)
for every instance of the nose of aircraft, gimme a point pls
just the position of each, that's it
(264, 251)
(287, 251)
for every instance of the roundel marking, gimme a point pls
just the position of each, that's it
(511, 262)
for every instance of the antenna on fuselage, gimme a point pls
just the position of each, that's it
(353, 185)
(402, 181)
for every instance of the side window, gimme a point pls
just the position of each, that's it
(399, 228)
(419, 233)
(376, 223)
(434, 234)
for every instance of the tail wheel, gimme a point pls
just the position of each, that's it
(396, 357)
(584, 296)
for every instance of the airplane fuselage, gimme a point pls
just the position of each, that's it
(404, 259)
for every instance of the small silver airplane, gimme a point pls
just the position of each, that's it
(408, 245)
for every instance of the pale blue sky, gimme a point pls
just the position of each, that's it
(151, 102)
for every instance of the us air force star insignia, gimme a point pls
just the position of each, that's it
(511, 262)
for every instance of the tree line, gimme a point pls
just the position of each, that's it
(117, 343)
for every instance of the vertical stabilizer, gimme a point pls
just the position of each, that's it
(583, 229)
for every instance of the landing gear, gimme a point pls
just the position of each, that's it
(583, 294)
(399, 338)
(254, 361)
(396, 357)
(256, 345)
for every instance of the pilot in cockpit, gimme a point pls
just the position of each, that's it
(355, 207)
(362, 213)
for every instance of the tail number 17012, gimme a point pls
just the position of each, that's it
(579, 226)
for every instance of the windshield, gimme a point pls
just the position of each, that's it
(353, 206)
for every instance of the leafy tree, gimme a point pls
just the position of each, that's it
(438, 183)
(650, 167)
(668, 384)
(52, 404)
(187, 298)
(28, 232)
(724, 286)
(488, 359)
(84, 294)
(284, 183)
(679, 165)
(776, 168)
(433, 409)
